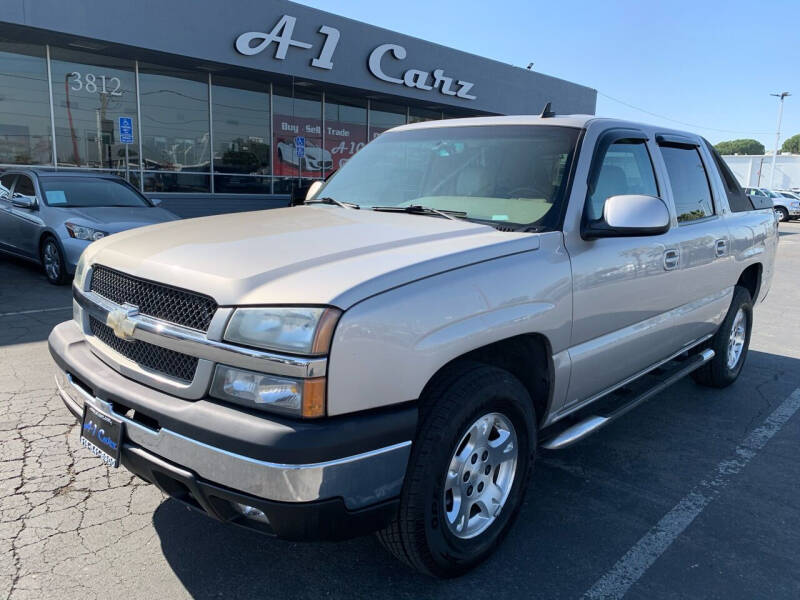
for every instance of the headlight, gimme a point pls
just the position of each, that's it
(290, 329)
(81, 232)
(80, 272)
(295, 397)
(795, 205)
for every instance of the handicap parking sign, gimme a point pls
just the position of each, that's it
(126, 130)
(300, 146)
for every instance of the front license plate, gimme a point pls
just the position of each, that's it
(102, 435)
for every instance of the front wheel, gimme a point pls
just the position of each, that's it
(782, 213)
(53, 262)
(468, 471)
(730, 343)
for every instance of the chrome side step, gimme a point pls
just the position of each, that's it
(592, 423)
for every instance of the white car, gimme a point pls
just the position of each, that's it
(315, 158)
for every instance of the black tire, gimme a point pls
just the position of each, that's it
(783, 214)
(52, 258)
(717, 373)
(419, 536)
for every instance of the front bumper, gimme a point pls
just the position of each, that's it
(355, 463)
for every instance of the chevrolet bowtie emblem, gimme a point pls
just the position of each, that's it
(120, 321)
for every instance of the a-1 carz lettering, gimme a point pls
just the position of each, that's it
(254, 42)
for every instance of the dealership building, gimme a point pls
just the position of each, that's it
(230, 104)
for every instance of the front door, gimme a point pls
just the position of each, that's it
(25, 223)
(624, 288)
(6, 218)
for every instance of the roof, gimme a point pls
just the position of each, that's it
(53, 172)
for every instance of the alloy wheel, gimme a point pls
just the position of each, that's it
(737, 338)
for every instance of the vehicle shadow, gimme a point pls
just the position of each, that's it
(586, 506)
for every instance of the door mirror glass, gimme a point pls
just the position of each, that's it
(313, 189)
(155, 201)
(630, 215)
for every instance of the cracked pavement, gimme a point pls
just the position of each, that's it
(73, 528)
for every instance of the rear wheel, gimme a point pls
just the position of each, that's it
(468, 471)
(53, 262)
(730, 343)
(783, 214)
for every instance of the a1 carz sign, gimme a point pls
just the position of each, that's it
(379, 62)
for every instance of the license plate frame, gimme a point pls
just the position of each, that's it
(101, 434)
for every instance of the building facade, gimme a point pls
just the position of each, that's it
(237, 98)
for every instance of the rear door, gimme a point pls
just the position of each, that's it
(704, 244)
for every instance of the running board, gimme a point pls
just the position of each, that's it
(592, 423)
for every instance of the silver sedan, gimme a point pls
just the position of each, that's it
(50, 216)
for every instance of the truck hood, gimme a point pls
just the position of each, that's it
(302, 255)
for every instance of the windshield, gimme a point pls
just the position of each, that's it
(75, 192)
(502, 173)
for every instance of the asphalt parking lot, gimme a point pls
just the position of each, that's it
(693, 495)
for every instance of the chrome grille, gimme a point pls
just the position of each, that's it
(156, 300)
(171, 363)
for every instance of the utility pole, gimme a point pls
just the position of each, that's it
(780, 97)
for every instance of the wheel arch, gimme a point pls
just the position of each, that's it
(526, 356)
(750, 279)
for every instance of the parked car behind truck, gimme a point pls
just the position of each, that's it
(50, 217)
(390, 356)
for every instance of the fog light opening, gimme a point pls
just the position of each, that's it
(250, 512)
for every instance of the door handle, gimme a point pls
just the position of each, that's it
(721, 247)
(671, 260)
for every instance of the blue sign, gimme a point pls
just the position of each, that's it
(300, 146)
(126, 130)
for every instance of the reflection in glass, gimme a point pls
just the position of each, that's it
(345, 128)
(175, 127)
(385, 116)
(298, 114)
(418, 115)
(90, 93)
(24, 105)
(241, 127)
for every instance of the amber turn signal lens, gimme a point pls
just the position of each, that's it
(314, 397)
(324, 333)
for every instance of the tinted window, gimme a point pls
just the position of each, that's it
(689, 181)
(24, 186)
(737, 199)
(626, 169)
(6, 181)
(72, 192)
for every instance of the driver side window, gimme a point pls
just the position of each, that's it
(626, 169)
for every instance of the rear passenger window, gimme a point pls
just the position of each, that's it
(737, 199)
(626, 169)
(689, 180)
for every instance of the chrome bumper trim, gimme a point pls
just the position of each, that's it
(195, 343)
(361, 479)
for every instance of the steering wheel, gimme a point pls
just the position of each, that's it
(529, 192)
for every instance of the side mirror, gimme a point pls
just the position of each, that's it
(628, 216)
(313, 189)
(155, 201)
(21, 201)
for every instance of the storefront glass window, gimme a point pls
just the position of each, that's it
(90, 93)
(298, 113)
(385, 116)
(175, 129)
(417, 115)
(24, 105)
(345, 128)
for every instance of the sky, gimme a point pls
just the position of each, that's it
(703, 66)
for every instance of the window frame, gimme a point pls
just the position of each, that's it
(670, 140)
(607, 139)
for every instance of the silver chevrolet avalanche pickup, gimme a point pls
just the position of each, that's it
(391, 355)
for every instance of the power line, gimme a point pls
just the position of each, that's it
(693, 125)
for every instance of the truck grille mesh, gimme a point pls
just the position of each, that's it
(171, 363)
(154, 299)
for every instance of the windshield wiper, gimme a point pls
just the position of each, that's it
(329, 200)
(417, 209)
